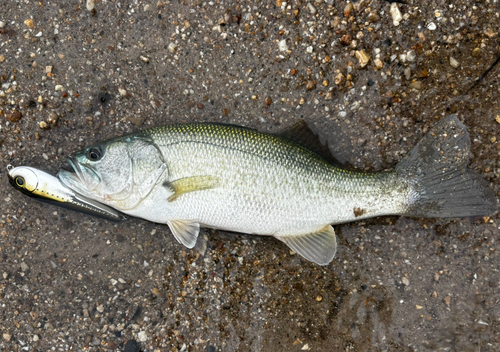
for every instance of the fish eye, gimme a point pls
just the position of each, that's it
(19, 181)
(94, 154)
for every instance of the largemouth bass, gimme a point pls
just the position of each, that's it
(42, 185)
(237, 179)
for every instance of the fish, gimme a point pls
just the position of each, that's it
(48, 188)
(237, 179)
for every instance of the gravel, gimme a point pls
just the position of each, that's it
(73, 73)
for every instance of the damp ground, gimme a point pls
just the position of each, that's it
(370, 77)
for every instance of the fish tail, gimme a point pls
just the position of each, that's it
(441, 184)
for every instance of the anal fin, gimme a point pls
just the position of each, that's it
(318, 246)
(191, 184)
(185, 231)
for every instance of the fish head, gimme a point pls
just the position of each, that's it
(120, 172)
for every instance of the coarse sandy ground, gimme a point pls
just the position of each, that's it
(73, 282)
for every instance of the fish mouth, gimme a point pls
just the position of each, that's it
(78, 177)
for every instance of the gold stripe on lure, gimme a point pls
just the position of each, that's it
(46, 187)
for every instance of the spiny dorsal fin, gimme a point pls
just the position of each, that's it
(185, 231)
(191, 184)
(301, 134)
(318, 246)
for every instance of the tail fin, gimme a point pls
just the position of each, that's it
(442, 185)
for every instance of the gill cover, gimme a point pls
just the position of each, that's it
(120, 172)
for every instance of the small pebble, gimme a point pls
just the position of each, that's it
(497, 119)
(362, 57)
(172, 47)
(405, 281)
(282, 45)
(24, 266)
(2, 24)
(311, 85)
(431, 26)
(319, 298)
(396, 14)
(268, 101)
(143, 337)
(416, 85)
(145, 59)
(476, 52)
(454, 62)
(44, 125)
(347, 9)
(14, 117)
(7, 336)
(29, 22)
(490, 33)
(378, 63)
(90, 5)
(122, 92)
(346, 39)
(58, 87)
(373, 17)
(2, 58)
(410, 56)
(407, 73)
(311, 8)
(136, 120)
(339, 79)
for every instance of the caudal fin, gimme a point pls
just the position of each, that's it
(442, 185)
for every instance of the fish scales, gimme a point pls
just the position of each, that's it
(268, 185)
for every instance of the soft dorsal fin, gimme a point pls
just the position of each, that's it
(301, 134)
(185, 231)
(318, 246)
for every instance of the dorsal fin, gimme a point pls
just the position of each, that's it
(301, 134)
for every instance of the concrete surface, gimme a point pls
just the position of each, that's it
(75, 72)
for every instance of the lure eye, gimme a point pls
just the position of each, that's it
(94, 154)
(19, 181)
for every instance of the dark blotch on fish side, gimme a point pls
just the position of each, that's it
(358, 212)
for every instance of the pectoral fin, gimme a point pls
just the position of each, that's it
(318, 246)
(191, 184)
(185, 231)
